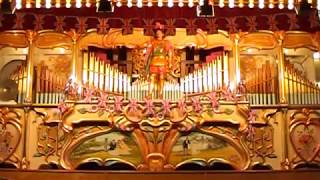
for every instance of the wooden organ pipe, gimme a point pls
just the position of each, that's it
(261, 87)
(205, 79)
(20, 77)
(299, 89)
(99, 74)
(49, 86)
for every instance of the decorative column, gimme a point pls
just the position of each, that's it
(76, 72)
(30, 35)
(236, 55)
(281, 77)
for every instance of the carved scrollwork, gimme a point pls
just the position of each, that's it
(305, 135)
(10, 133)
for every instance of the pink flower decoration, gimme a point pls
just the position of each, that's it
(149, 106)
(227, 94)
(213, 99)
(133, 105)
(88, 94)
(103, 100)
(62, 107)
(166, 106)
(196, 104)
(182, 105)
(250, 128)
(252, 116)
(118, 103)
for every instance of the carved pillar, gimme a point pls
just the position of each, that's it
(236, 56)
(31, 35)
(76, 71)
(280, 53)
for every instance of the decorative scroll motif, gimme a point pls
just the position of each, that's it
(305, 136)
(10, 133)
(275, 21)
(259, 135)
(50, 137)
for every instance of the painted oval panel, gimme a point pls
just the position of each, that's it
(114, 145)
(199, 146)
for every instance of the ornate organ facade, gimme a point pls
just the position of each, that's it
(240, 101)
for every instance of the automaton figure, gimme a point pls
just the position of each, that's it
(158, 60)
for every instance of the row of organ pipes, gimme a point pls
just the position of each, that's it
(49, 85)
(298, 88)
(20, 78)
(261, 87)
(103, 76)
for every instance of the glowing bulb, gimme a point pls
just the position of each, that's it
(190, 4)
(18, 4)
(221, 4)
(241, 5)
(271, 6)
(38, 4)
(78, 4)
(180, 4)
(68, 5)
(28, 5)
(149, 4)
(129, 4)
(251, 5)
(170, 3)
(290, 6)
(58, 5)
(201, 3)
(231, 3)
(139, 3)
(160, 3)
(119, 4)
(281, 6)
(261, 5)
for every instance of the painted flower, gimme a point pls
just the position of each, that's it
(305, 139)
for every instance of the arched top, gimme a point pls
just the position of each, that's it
(15, 39)
(53, 39)
(259, 40)
(300, 39)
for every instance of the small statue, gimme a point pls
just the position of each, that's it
(70, 90)
(158, 59)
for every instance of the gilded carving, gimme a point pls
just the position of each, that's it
(10, 133)
(304, 135)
